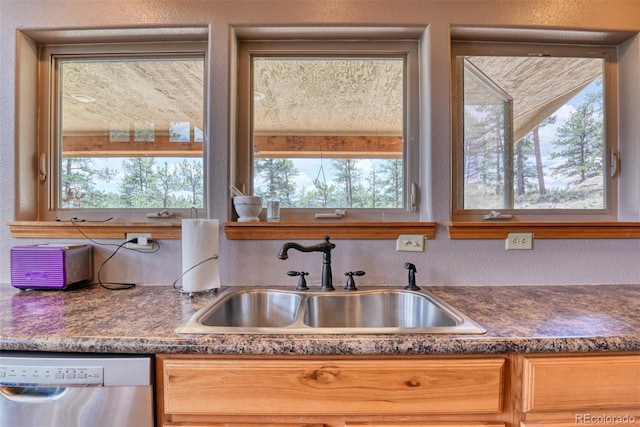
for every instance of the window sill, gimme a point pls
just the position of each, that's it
(317, 230)
(545, 230)
(234, 230)
(101, 230)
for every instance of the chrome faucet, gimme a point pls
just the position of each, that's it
(324, 247)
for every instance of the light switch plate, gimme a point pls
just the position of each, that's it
(410, 243)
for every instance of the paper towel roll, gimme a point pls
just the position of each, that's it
(200, 242)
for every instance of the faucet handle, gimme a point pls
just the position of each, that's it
(302, 282)
(351, 284)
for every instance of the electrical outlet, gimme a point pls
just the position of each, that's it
(410, 243)
(139, 245)
(519, 241)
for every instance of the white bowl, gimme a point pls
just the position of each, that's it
(248, 208)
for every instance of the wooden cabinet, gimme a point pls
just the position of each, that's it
(595, 390)
(422, 391)
(329, 391)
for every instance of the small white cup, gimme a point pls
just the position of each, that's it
(248, 208)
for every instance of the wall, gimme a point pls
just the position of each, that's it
(445, 262)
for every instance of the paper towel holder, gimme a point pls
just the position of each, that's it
(191, 294)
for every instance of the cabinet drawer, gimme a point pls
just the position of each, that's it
(590, 382)
(323, 387)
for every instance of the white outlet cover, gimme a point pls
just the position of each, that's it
(519, 241)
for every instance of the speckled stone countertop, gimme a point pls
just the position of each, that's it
(518, 319)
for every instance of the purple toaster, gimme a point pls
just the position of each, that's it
(50, 266)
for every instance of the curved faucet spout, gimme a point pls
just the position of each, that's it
(324, 247)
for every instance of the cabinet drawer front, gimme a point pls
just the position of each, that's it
(590, 382)
(323, 387)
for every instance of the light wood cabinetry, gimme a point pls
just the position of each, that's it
(566, 383)
(573, 391)
(420, 391)
(329, 391)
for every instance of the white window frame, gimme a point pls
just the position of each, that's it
(610, 84)
(242, 173)
(48, 120)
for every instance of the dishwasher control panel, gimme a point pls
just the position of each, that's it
(48, 376)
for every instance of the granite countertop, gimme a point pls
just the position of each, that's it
(518, 319)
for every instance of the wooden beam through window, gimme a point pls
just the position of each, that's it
(278, 146)
(334, 146)
(101, 146)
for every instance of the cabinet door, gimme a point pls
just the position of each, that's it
(581, 383)
(332, 387)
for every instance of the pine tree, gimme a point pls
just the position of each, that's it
(523, 169)
(581, 145)
(168, 183)
(392, 183)
(139, 188)
(278, 176)
(484, 151)
(374, 198)
(78, 183)
(192, 180)
(347, 176)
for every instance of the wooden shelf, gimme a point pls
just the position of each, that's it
(317, 230)
(172, 230)
(545, 230)
(233, 230)
(95, 230)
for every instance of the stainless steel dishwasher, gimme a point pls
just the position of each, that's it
(75, 390)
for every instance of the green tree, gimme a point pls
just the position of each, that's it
(322, 196)
(278, 176)
(78, 183)
(168, 182)
(347, 177)
(523, 169)
(192, 180)
(536, 146)
(374, 198)
(580, 144)
(139, 188)
(392, 183)
(484, 149)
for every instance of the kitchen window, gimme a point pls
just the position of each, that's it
(326, 126)
(535, 132)
(124, 130)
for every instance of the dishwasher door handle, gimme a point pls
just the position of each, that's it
(33, 394)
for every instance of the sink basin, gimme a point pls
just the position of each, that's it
(371, 311)
(255, 309)
(379, 309)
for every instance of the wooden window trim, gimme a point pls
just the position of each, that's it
(172, 230)
(545, 230)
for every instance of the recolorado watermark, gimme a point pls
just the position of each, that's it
(604, 419)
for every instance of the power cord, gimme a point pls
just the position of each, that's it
(124, 285)
(108, 285)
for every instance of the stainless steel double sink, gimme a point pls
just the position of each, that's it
(239, 310)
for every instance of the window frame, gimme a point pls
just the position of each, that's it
(242, 166)
(610, 88)
(49, 150)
